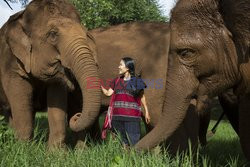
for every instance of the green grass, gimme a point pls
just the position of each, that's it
(223, 149)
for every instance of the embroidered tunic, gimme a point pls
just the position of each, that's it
(127, 107)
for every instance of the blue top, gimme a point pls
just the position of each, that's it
(135, 83)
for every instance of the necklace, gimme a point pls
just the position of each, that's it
(126, 79)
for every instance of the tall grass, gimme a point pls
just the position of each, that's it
(223, 149)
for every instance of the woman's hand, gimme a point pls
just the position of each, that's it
(147, 117)
(107, 92)
(103, 90)
(146, 113)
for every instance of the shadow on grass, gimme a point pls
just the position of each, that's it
(224, 146)
(41, 132)
(223, 151)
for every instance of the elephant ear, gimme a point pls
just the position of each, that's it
(244, 68)
(20, 44)
(92, 46)
(228, 45)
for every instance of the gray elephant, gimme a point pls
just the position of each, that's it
(43, 49)
(209, 53)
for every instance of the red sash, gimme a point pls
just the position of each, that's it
(108, 118)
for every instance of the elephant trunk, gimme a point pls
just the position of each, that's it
(180, 87)
(84, 68)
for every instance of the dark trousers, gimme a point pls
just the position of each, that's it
(130, 131)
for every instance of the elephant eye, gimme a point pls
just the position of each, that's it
(185, 53)
(53, 35)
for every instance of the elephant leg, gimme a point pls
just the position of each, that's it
(203, 116)
(204, 119)
(244, 124)
(229, 103)
(80, 138)
(191, 124)
(75, 106)
(19, 93)
(57, 106)
(95, 131)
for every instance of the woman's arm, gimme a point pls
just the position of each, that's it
(144, 103)
(107, 92)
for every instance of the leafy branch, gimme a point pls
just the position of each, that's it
(8, 4)
(23, 2)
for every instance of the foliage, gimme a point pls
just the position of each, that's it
(23, 2)
(101, 13)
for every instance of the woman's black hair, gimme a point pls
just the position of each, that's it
(130, 64)
(133, 86)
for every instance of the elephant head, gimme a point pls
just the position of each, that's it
(47, 38)
(203, 59)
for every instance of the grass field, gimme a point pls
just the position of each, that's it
(223, 149)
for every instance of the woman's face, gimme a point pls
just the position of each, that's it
(122, 68)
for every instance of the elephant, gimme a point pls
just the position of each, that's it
(208, 54)
(44, 52)
(147, 43)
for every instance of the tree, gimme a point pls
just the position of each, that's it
(101, 13)
(23, 2)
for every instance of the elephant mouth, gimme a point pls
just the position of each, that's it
(63, 76)
(69, 79)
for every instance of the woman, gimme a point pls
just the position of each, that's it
(128, 95)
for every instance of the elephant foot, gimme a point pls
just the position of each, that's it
(156, 150)
(81, 144)
(57, 147)
(80, 140)
(24, 134)
(57, 141)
